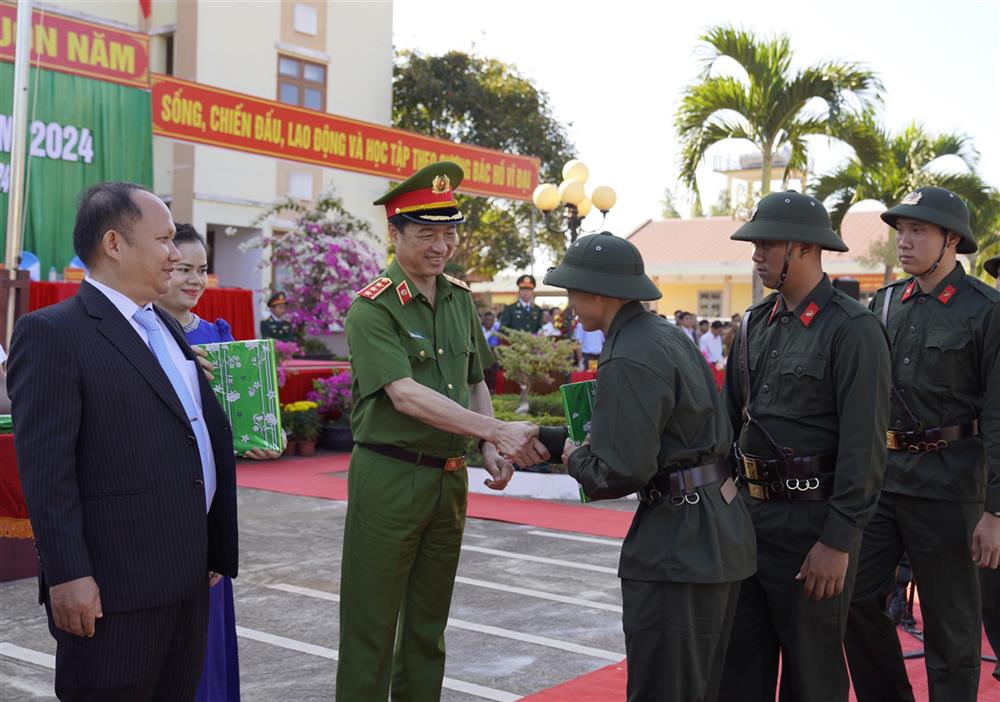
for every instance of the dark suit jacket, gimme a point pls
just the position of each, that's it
(108, 460)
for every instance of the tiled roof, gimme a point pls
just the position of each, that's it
(703, 243)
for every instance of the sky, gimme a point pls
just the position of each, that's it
(615, 72)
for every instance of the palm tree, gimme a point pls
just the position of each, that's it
(885, 167)
(770, 106)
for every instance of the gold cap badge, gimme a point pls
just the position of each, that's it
(912, 199)
(440, 184)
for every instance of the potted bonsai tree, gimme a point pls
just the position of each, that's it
(534, 360)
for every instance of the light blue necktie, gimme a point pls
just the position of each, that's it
(147, 319)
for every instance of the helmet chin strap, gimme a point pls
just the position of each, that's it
(784, 268)
(937, 262)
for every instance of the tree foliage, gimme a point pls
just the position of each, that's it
(668, 206)
(475, 100)
(885, 167)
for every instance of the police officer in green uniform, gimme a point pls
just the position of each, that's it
(523, 315)
(417, 355)
(944, 457)
(658, 428)
(807, 391)
(277, 327)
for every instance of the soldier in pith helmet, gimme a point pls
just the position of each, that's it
(659, 429)
(807, 394)
(944, 457)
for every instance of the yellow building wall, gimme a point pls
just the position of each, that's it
(678, 295)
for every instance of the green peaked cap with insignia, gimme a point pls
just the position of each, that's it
(604, 264)
(992, 266)
(790, 216)
(937, 206)
(427, 196)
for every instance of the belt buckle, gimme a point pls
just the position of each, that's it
(892, 441)
(757, 491)
(750, 468)
(453, 464)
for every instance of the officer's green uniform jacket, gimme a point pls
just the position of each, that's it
(946, 364)
(656, 410)
(519, 319)
(819, 379)
(276, 329)
(397, 334)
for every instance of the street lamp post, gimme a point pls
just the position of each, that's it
(573, 197)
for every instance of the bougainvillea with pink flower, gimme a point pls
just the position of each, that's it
(326, 256)
(333, 395)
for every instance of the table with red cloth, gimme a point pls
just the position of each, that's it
(13, 510)
(235, 305)
(300, 374)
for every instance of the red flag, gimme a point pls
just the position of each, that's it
(147, 7)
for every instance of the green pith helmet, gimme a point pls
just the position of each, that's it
(604, 264)
(992, 266)
(937, 206)
(790, 216)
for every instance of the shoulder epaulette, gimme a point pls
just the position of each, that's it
(852, 307)
(893, 284)
(989, 292)
(766, 302)
(457, 283)
(375, 288)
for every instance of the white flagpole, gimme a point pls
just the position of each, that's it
(18, 150)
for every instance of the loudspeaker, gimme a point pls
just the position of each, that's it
(849, 286)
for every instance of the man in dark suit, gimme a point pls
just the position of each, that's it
(126, 461)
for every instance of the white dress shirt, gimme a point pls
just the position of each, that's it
(189, 371)
(711, 346)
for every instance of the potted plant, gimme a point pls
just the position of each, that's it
(333, 396)
(305, 423)
(288, 425)
(534, 360)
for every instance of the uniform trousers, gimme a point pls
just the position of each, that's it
(402, 541)
(937, 537)
(989, 584)
(153, 655)
(773, 615)
(675, 638)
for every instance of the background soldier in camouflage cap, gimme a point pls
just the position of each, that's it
(944, 457)
(807, 391)
(523, 315)
(659, 429)
(417, 354)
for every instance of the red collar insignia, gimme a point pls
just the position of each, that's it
(909, 291)
(808, 315)
(947, 294)
(403, 290)
(774, 310)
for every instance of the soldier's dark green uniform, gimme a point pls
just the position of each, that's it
(405, 519)
(819, 387)
(989, 580)
(519, 316)
(279, 329)
(659, 428)
(944, 462)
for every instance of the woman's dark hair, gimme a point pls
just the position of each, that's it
(187, 234)
(103, 207)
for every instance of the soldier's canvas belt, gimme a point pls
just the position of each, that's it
(930, 440)
(679, 485)
(421, 459)
(792, 478)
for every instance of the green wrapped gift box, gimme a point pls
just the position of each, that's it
(6, 424)
(246, 385)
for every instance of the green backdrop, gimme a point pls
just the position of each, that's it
(119, 122)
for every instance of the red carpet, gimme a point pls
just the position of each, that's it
(311, 477)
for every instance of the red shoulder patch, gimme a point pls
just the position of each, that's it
(808, 315)
(374, 288)
(947, 294)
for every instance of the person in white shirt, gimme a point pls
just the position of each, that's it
(711, 344)
(591, 343)
(548, 326)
